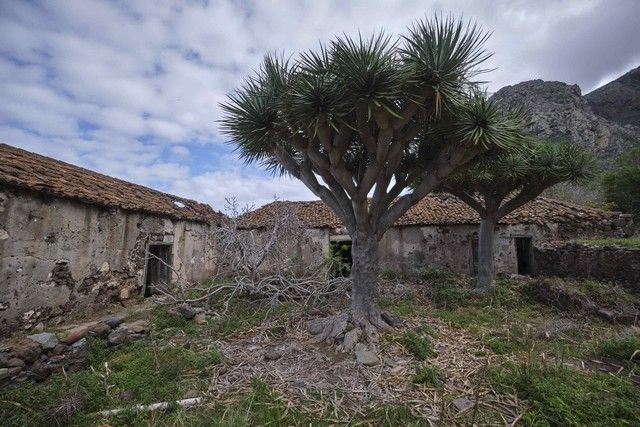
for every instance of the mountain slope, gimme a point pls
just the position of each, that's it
(618, 100)
(558, 110)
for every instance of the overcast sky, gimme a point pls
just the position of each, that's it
(131, 88)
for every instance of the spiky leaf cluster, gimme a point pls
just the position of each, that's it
(364, 113)
(432, 65)
(537, 162)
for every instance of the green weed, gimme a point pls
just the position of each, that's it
(419, 345)
(431, 376)
(623, 348)
(563, 396)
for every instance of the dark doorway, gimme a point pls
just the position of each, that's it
(474, 254)
(524, 254)
(157, 268)
(341, 252)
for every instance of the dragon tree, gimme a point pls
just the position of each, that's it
(499, 183)
(360, 121)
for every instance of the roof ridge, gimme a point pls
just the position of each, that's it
(436, 209)
(92, 172)
(132, 196)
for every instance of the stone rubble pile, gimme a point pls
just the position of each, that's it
(36, 356)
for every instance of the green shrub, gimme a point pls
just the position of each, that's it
(418, 345)
(431, 376)
(622, 184)
(448, 295)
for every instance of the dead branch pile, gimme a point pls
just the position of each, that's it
(257, 264)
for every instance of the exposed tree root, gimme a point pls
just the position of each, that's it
(346, 328)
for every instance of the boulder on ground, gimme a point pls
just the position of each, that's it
(29, 351)
(114, 321)
(186, 312)
(75, 334)
(365, 356)
(100, 330)
(46, 339)
(118, 336)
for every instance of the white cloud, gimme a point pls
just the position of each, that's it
(248, 188)
(133, 89)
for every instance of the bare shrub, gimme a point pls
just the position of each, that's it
(257, 263)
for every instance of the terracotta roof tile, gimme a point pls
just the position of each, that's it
(435, 209)
(25, 170)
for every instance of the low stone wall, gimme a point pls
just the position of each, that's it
(566, 259)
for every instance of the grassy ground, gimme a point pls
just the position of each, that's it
(628, 242)
(520, 358)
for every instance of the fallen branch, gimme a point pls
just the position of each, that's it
(185, 403)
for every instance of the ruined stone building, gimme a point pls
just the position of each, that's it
(69, 236)
(441, 232)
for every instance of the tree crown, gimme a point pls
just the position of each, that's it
(535, 166)
(377, 114)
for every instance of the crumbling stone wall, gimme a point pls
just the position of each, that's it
(442, 247)
(56, 254)
(566, 259)
(451, 247)
(619, 225)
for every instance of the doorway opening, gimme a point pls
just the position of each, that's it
(340, 251)
(474, 254)
(524, 254)
(158, 273)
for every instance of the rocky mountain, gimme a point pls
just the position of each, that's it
(559, 110)
(618, 100)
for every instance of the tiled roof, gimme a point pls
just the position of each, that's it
(25, 170)
(435, 209)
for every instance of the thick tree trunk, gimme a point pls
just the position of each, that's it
(364, 273)
(364, 316)
(486, 235)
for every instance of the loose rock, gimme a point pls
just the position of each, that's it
(118, 336)
(59, 349)
(200, 319)
(137, 327)
(100, 330)
(114, 321)
(364, 356)
(273, 354)
(15, 362)
(28, 351)
(40, 371)
(186, 312)
(46, 339)
(127, 395)
(75, 334)
(462, 404)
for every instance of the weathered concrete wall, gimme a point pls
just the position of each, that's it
(565, 259)
(441, 247)
(55, 253)
(451, 247)
(307, 253)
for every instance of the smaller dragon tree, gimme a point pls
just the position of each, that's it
(502, 181)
